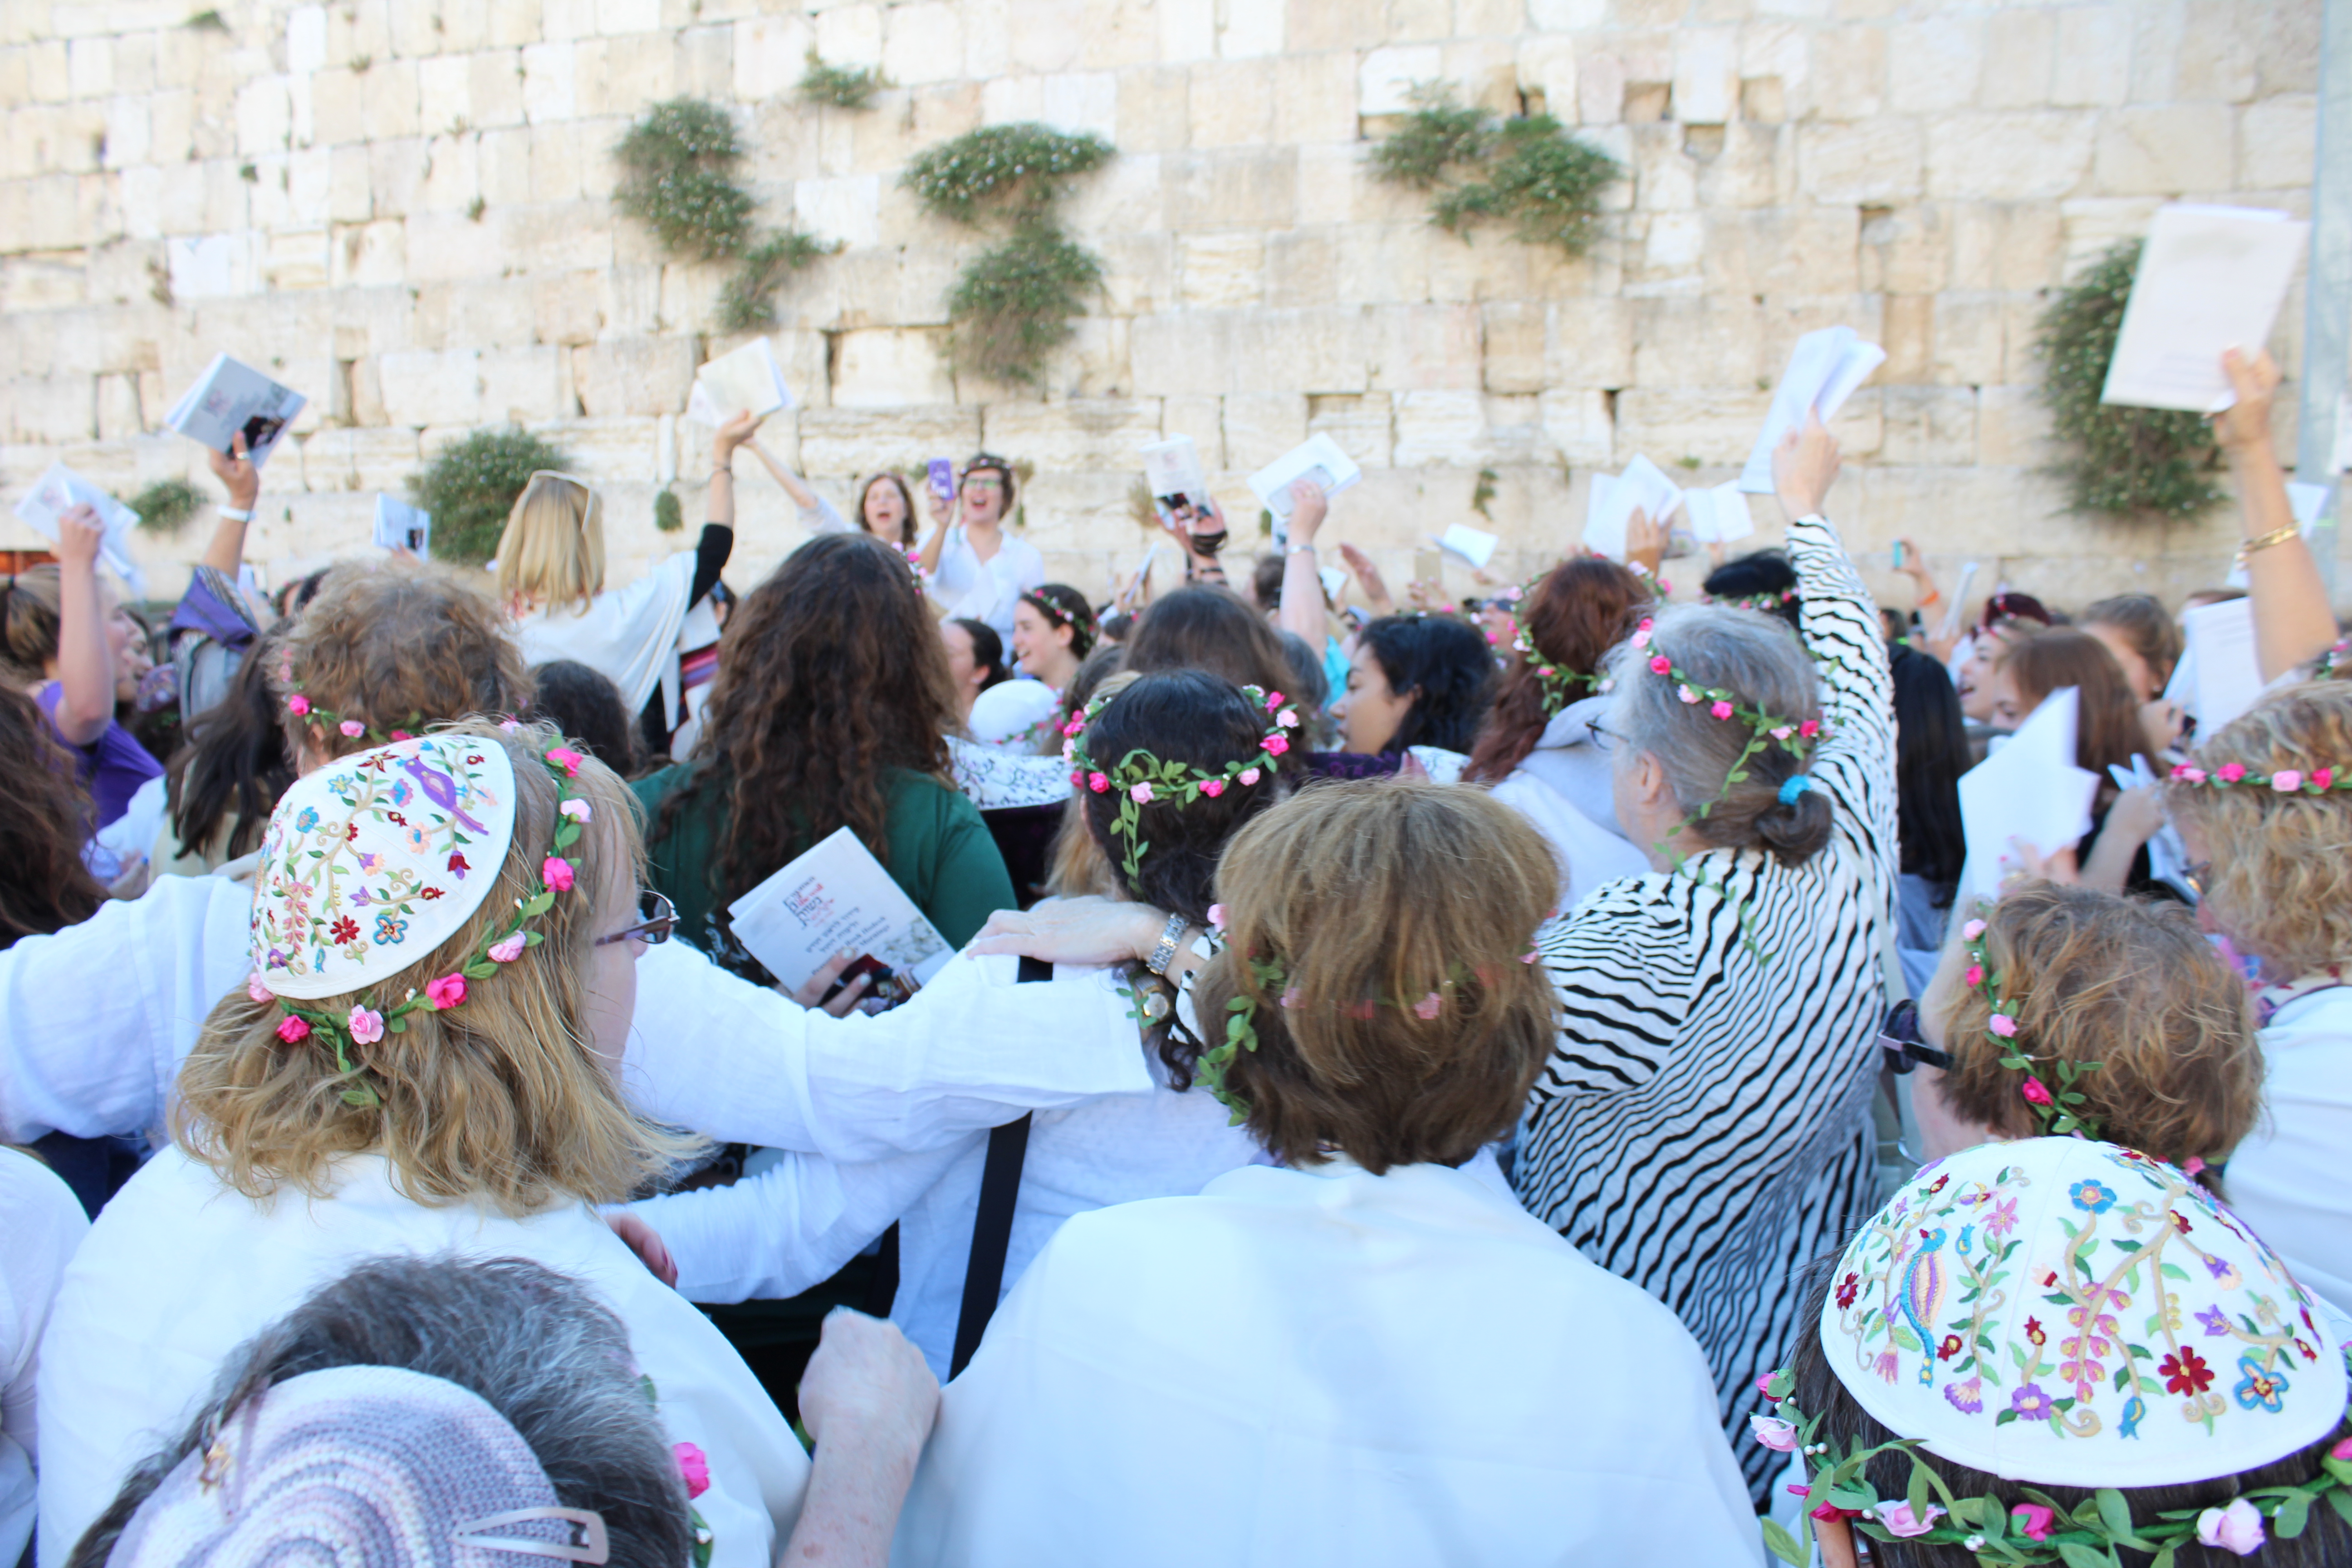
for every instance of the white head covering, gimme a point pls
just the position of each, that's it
(2078, 1314)
(376, 859)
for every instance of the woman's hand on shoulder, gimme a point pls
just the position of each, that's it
(647, 1243)
(1074, 930)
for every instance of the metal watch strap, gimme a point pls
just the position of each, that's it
(1165, 953)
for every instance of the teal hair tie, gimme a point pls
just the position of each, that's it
(1794, 785)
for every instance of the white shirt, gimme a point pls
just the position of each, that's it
(629, 635)
(1562, 789)
(986, 591)
(95, 1020)
(180, 1270)
(44, 1223)
(786, 1228)
(2286, 1180)
(1302, 1368)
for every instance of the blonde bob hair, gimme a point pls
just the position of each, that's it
(2130, 985)
(2281, 883)
(503, 1098)
(1401, 1026)
(551, 551)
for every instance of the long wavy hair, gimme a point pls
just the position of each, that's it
(1583, 608)
(44, 818)
(235, 763)
(1930, 754)
(830, 672)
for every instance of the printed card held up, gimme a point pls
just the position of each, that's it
(233, 397)
(1824, 369)
(1612, 500)
(834, 898)
(58, 491)
(400, 526)
(747, 381)
(2209, 279)
(1318, 459)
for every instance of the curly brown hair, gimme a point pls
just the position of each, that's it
(829, 672)
(397, 645)
(1581, 609)
(44, 818)
(2131, 985)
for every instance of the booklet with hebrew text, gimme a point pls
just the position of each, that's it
(834, 898)
(747, 381)
(230, 396)
(59, 490)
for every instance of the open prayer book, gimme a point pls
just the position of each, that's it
(2209, 279)
(58, 491)
(1172, 469)
(1318, 459)
(231, 397)
(1719, 515)
(834, 898)
(1824, 368)
(1614, 499)
(747, 381)
(400, 526)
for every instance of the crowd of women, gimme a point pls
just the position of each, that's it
(1503, 1083)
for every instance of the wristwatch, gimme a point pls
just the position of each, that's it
(1164, 953)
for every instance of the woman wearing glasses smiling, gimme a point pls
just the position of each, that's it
(550, 574)
(974, 567)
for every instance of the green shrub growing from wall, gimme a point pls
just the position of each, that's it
(1014, 304)
(470, 486)
(1527, 171)
(843, 87)
(2119, 461)
(165, 506)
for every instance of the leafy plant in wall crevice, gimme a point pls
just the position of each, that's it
(471, 485)
(1014, 303)
(1527, 171)
(680, 177)
(2119, 462)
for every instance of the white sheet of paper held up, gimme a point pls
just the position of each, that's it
(2030, 789)
(746, 381)
(231, 397)
(2209, 279)
(1474, 545)
(1612, 500)
(1318, 459)
(1719, 515)
(59, 490)
(2226, 676)
(1824, 368)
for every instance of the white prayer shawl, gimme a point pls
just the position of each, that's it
(1301, 1368)
(629, 635)
(180, 1270)
(2286, 1180)
(43, 1223)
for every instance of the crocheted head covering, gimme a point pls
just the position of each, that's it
(375, 860)
(366, 1466)
(2073, 1314)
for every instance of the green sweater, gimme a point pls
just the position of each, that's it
(940, 854)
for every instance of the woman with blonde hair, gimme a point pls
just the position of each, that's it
(2265, 806)
(424, 1060)
(550, 577)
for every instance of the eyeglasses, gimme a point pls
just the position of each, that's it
(538, 474)
(658, 919)
(984, 482)
(1604, 739)
(1900, 1039)
(2197, 877)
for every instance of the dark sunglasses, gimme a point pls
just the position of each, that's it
(659, 918)
(1900, 1039)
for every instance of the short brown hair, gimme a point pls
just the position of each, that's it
(1374, 901)
(2131, 985)
(30, 617)
(2108, 729)
(397, 645)
(2146, 625)
(503, 1098)
(2281, 883)
(1578, 611)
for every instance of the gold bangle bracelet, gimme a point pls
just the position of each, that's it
(2279, 535)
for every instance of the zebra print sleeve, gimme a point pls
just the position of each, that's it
(1624, 969)
(1839, 625)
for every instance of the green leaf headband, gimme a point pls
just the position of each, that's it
(1140, 777)
(1794, 736)
(1559, 686)
(2036, 1532)
(365, 1025)
(2058, 1110)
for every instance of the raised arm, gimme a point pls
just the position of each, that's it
(85, 672)
(1302, 578)
(2293, 622)
(794, 485)
(1840, 622)
(243, 482)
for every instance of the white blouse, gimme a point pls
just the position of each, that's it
(44, 1224)
(2286, 1180)
(986, 591)
(628, 635)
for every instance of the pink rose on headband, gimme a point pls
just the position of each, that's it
(1276, 744)
(1213, 788)
(1139, 793)
(1428, 1008)
(577, 810)
(1973, 975)
(695, 1466)
(1660, 664)
(352, 728)
(257, 990)
(1273, 700)
(2034, 1091)
(556, 872)
(2287, 780)
(1809, 727)
(1286, 720)
(506, 950)
(2237, 1527)
(1249, 776)
(292, 1030)
(1687, 694)
(450, 991)
(1642, 633)
(1720, 708)
(366, 1025)
(2229, 772)
(1216, 911)
(567, 759)
(1972, 931)
(2001, 1024)
(298, 705)
(1775, 1434)
(1098, 783)
(2323, 778)
(2187, 774)
(2037, 1520)
(1899, 1520)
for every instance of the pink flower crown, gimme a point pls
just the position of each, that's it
(1794, 736)
(2058, 1111)
(1141, 778)
(2285, 781)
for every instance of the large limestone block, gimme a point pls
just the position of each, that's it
(1714, 424)
(848, 210)
(2018, 54)
(1260, 426)
(368, 255)
(1209, 352)
(640, 376)
(922, 43)
(1216, 270)
(2013, 427)
(520, 384)
(1929, 424)
(1232, 103)
(1697, 343)
(609, 451)
(2092, 63)
(1314, 98)
(843, 441)
(1578, 425)
(1877, 160)
(2169, 151)
(1445, 428)
(1253, 187)
(430, 386)
(211, 266)
(53, 408)
(1425, 347)
(2275, 138)
(1385, 80)
(1081, 434)
(2031, 156)
(887, 369)
(360, 459)
(1363, 424)
(1078, 512)
(1513, 337)
(549, 237)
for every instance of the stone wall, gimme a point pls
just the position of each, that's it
(402, 207)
